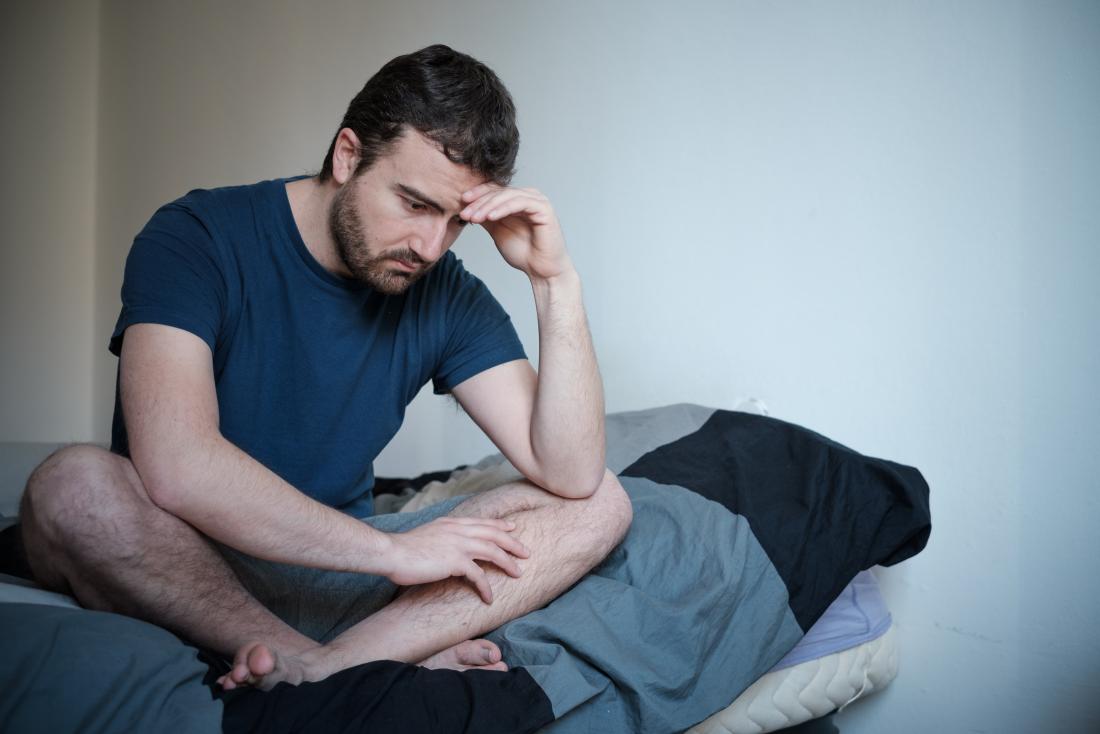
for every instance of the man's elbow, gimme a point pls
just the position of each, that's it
(606, 495)
(575, 486)
(174, 469)
(164, 487)
(577, 477)
(170, 484)
(612, 509)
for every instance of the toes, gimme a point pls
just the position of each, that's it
(250, 665)
(240, 673)
(491, 654)
(478, 652)
(260, 661)
(469, 655)
(501, 666)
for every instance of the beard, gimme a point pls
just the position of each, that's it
(346, 228)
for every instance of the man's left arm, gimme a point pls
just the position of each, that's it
(550, 425)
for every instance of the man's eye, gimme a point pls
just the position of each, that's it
(459, 221)
(415, 206)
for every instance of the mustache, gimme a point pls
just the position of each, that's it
(405, 254)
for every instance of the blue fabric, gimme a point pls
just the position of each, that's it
(76, 670)
(681, 617)
(313, 371)
(858, 616)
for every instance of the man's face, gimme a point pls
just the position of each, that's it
(393, 222)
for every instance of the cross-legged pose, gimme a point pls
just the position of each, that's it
(269, 341)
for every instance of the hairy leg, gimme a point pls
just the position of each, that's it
(566, 537)
(91, 530)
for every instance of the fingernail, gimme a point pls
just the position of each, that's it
(488, 655)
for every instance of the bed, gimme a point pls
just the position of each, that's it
(739, 602)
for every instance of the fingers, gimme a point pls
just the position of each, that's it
(458, 547)
(511, 544)
(494, 531)
(497, 206)
(476, 574)
(479, 191)
(482, 189)
(497, 203)
(487, 540)
(496, 555)
(492, 553)
(481, 543)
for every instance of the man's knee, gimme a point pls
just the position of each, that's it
(68, 478)
(74, 487)
(598, 521)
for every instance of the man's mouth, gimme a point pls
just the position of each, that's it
(405, 265)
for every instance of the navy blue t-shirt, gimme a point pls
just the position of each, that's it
(313, 371)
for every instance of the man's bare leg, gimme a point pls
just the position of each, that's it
(90, 530)
(438, 623)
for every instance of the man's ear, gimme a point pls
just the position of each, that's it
(345, 156)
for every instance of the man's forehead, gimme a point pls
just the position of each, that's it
(420, 169)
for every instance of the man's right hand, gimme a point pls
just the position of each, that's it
(450, 546)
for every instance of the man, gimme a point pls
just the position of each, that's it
(270, 339)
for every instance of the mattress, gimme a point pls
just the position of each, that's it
(807, 691)
(849, 653)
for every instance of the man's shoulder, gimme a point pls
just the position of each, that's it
(222, 200)
(214, 217)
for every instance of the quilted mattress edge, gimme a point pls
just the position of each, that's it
(790, 696)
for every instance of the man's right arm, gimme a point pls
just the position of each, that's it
(191, 471)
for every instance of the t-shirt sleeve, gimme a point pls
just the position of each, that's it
(479, 335)
(174, 277)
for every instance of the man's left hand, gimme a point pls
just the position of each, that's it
(524, 227)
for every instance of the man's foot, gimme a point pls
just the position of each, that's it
(469, 655)
(258, 666)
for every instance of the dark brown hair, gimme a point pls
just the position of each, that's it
(449, 97)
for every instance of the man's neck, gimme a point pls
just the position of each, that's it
(309, 203)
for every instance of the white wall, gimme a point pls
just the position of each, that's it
(879, 218)
(48, 71)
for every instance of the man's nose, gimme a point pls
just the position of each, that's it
(430, 241)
